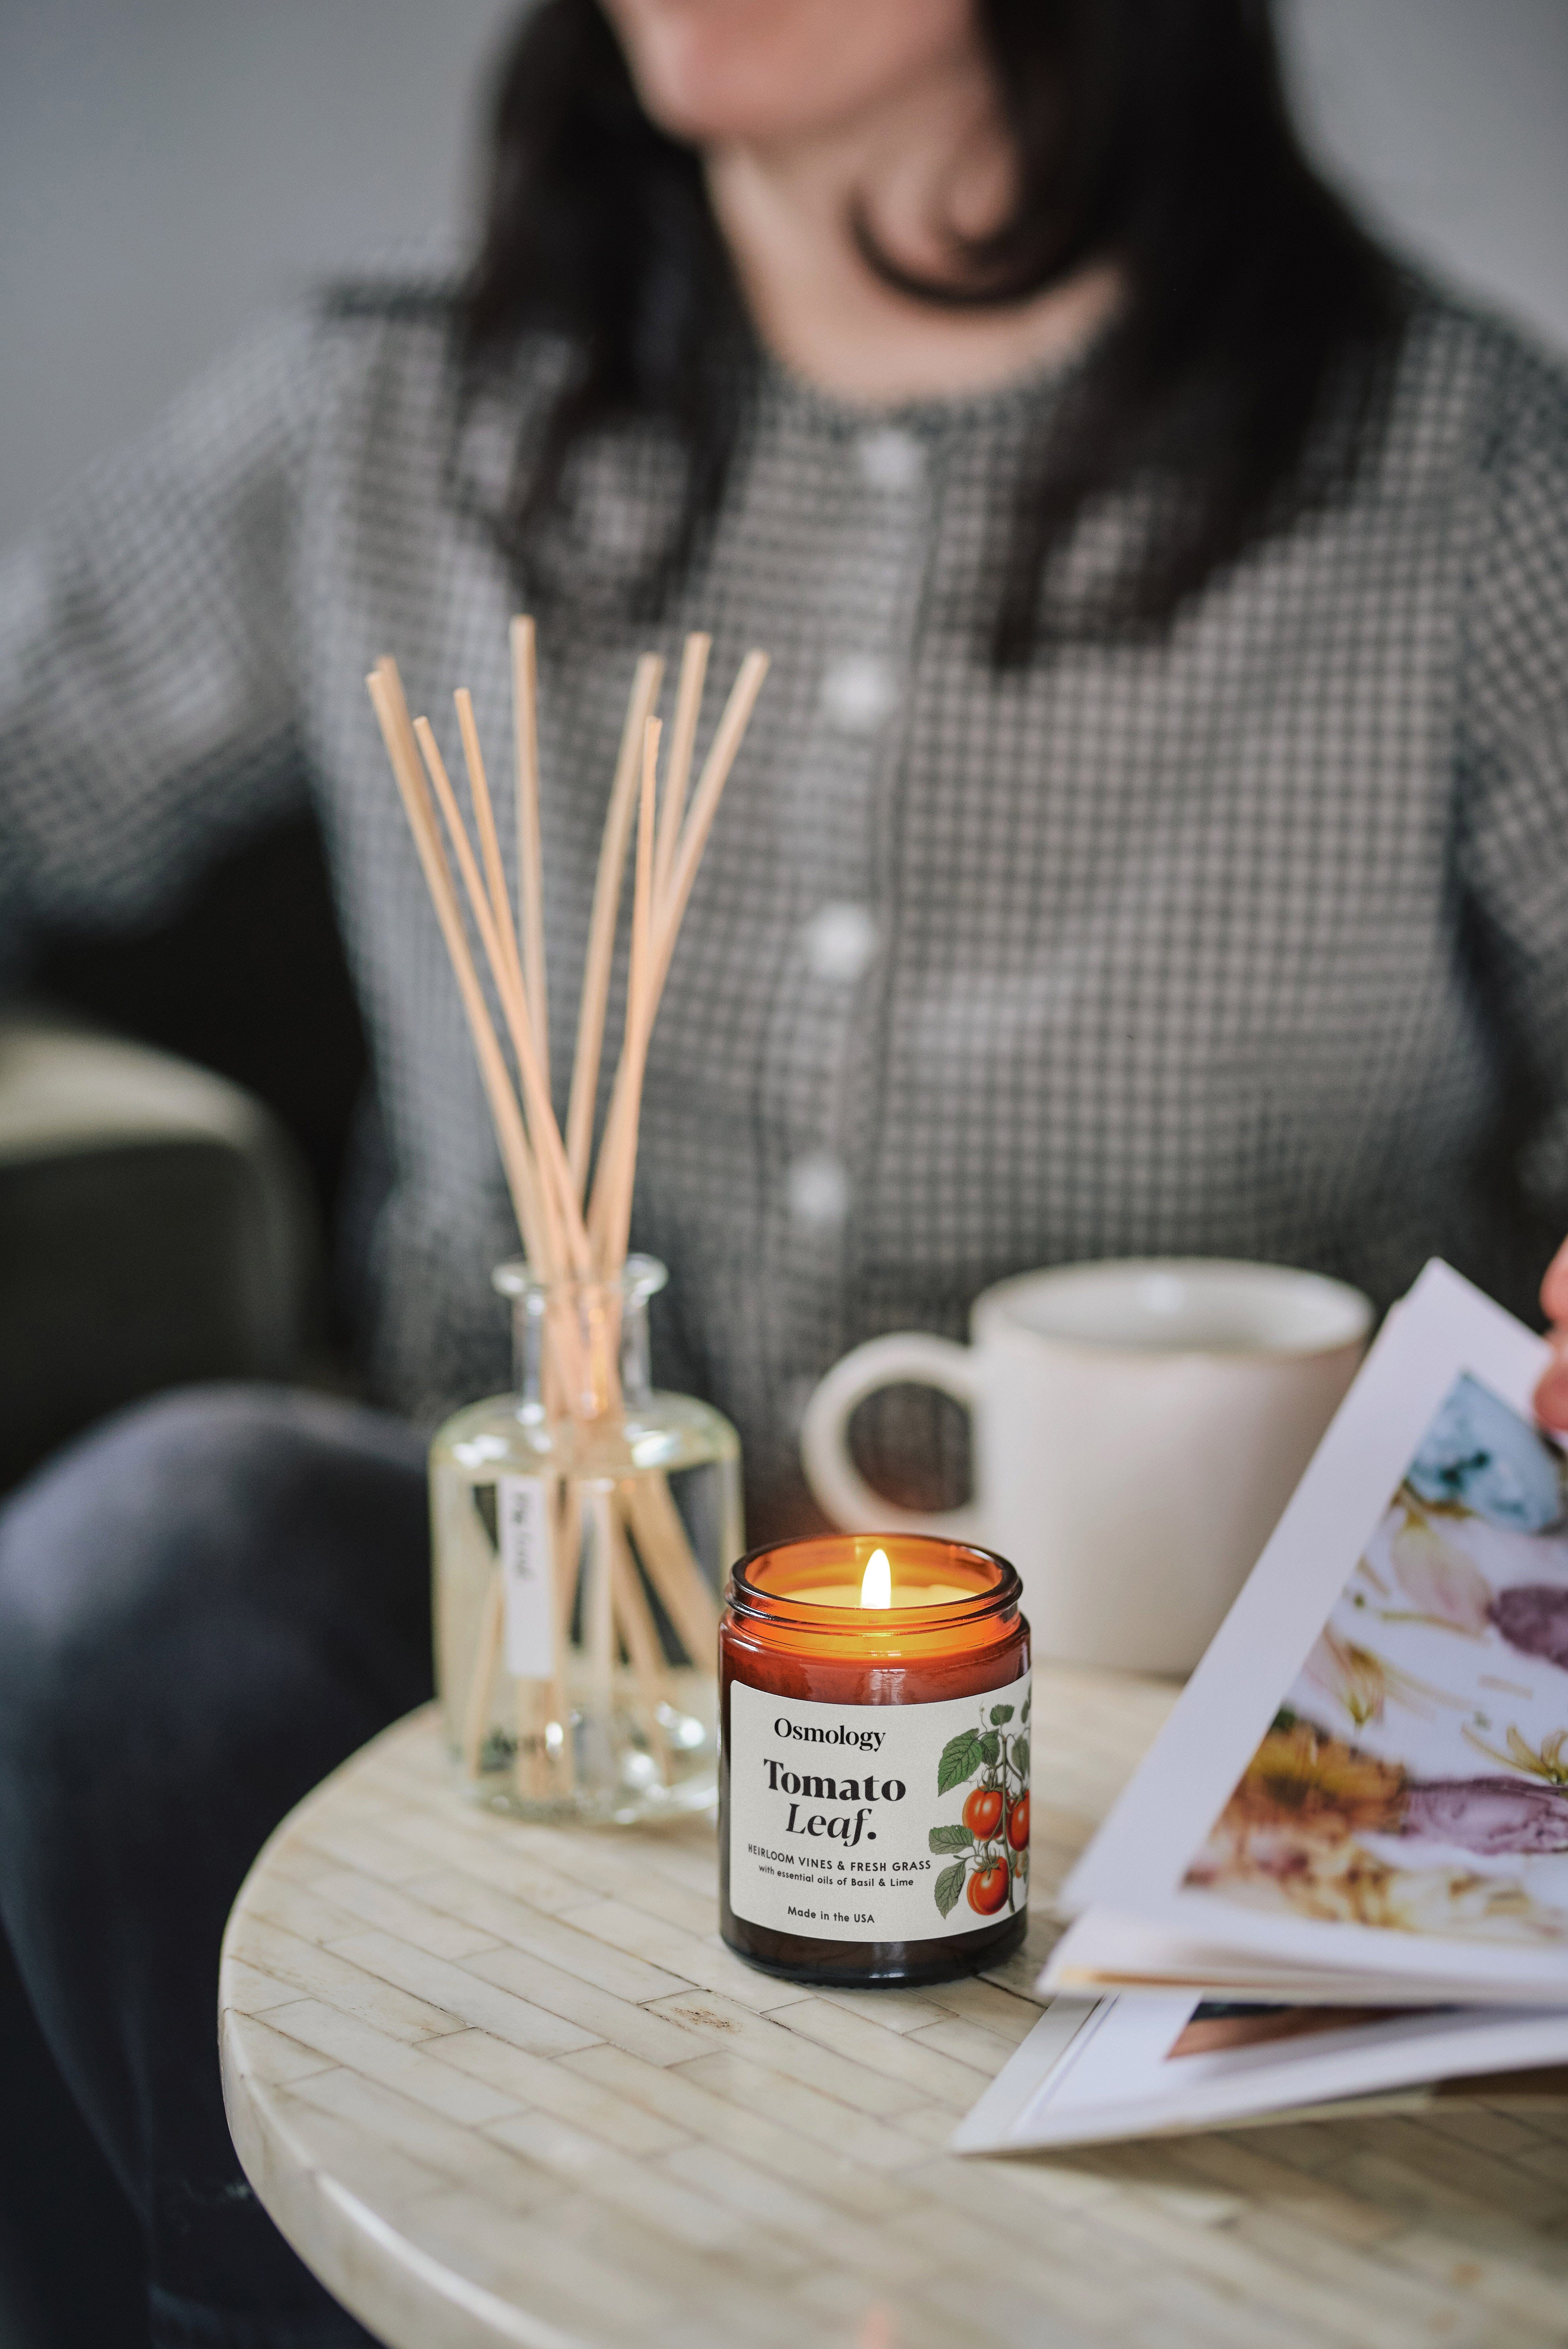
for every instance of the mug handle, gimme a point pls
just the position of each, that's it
(909, 1356)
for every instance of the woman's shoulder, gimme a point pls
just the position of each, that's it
(384, 336)
(1491, 400)
(397, 381)
(414, 322)
(1476, 388)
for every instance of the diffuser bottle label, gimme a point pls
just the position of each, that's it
(528, 1581)
(878, 1822)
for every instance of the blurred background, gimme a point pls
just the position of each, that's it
(168, 169)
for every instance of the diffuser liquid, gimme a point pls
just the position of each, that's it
(643, 1517)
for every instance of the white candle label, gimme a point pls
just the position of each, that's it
(528, 1582)
(879, 1822)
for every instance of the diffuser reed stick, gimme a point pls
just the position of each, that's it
(616, 1539)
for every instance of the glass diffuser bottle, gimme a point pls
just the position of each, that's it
(582, 1530)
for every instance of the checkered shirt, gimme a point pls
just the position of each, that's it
(1249, 940)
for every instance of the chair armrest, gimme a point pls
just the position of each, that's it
(155, 1228)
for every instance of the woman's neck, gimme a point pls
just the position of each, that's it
(934, 156)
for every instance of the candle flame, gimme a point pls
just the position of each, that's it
(876, 1583)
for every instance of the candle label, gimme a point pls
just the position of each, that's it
(879, 1822)
(528, 1585)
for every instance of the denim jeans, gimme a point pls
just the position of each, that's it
(204, 1606)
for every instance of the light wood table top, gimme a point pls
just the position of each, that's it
(503, 2084)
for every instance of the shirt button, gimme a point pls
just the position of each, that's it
(890, 460)
(840, 940)
(819, 1189)
(857, 693)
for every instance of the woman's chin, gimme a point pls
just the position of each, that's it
(714, 73)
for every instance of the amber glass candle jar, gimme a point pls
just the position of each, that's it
(875, 1759)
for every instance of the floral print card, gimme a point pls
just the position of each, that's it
(1399, 1815)
(1415, 1775)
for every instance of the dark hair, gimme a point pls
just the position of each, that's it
(1242, 378)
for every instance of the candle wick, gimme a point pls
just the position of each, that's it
(876, 1583)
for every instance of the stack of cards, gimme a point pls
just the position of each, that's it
(1342, 1869)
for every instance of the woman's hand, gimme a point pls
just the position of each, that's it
(1551, 1394)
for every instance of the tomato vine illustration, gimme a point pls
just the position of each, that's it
(991, 1840)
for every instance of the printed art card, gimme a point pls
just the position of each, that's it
(1156, 2064)
(1362, 1794)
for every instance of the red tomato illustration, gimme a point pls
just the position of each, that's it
(1018, 1824)
(983, 1813)
(988, 1889)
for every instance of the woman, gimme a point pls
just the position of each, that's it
(1153, 836)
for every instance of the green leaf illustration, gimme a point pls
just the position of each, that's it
(961, 1757)
(953, 1838)
(1021, 1757)
(999, 1713)
(1028, 1701)
(949, 1887)
(990, 1746)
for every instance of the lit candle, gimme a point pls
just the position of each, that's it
(876, 1587)
(874, 1772)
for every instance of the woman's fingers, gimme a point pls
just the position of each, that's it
(1554, 1287)
(1552, 1399)
(1551, 1394)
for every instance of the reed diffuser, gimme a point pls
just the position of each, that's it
(584, 1525)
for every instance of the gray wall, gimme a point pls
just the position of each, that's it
(170, 167)
(1449, 120)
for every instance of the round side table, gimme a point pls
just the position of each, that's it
(503, 2084)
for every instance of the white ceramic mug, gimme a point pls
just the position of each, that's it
(1138, 1427)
